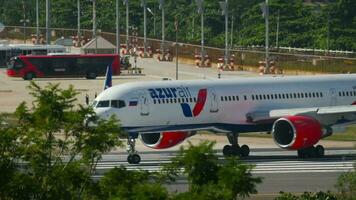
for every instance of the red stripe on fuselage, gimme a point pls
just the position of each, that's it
(200, 103)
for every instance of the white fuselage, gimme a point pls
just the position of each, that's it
(224, 104)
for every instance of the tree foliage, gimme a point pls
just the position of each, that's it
(308, 196)
(325, 24)
(50, 153)
(210, 179)
(347, 185)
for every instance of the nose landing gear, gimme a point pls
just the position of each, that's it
(133, 157)
(234, 149)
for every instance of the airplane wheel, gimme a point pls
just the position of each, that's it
(133, 159)
(227, 150)
(136, 159)
(319, 151)
(244, 150)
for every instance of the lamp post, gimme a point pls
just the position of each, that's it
(267, 36)
(161, 6)
(94, 26)
(200, 4)
(144, 5)
(154, 21)
(176, 29)
(117, 28)
(48, 21)
(126, 3)
(37, 24)
(277, 32)
(224, 8)
(24, 21)
(78, 23)
(265, 13)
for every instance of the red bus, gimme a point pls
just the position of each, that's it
(64, 65)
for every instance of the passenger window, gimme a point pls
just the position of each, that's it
(321, 94)
(268, 96)
(225, 98)
(317, 95)
(103, 104)
(253, 97)
(245, 97)
(229, 98)
(154, 101)
(222, 98)
(159, 101)
(175, 100)
(264, 97)
(171, 100)
(233, 98)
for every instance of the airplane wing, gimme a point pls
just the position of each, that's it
(271, 115)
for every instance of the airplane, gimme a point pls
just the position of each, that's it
(297, 110)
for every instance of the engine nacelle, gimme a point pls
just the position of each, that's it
(164, 140)
(296, 132)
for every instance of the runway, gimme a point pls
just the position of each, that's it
(281, 170)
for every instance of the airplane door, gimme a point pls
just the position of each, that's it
(214, 101)
(333, 97)
(144, 103)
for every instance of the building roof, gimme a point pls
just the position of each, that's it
(102, 43)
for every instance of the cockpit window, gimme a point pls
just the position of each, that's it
(103, 104)
(118, 103)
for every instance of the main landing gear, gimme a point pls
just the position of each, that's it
(133, 157)
(234, 149)
(311, 152)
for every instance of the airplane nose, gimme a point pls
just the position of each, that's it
(103, 113)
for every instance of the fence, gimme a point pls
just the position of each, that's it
(294, 61)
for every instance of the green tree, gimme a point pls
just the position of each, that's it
(346, 185)
(210, 179)
(50, 153)
(308, 196)
(120, 183)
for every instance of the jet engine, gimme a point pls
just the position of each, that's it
(296, 132)
(164, 140)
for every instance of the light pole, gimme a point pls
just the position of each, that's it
(94, 26)
(200, 4)
(225, 11)
(24, 21)
(161, 6)
(176, 29)
(231, 31)
(78, 23)
(265, 14)
(154, 21)
(144, 5)
(48, 21)
(117, 28)
(37, 24)
(126, 3)
(277, 32)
